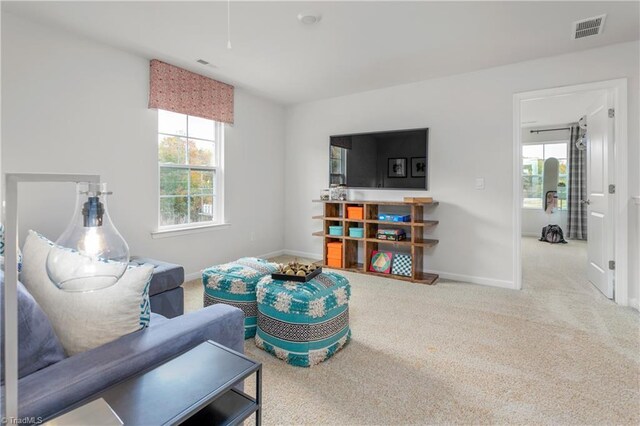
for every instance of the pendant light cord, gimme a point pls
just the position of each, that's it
(228, 24)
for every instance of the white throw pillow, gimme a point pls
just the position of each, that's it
(83, 321)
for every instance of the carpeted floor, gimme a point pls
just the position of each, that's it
(555, 352)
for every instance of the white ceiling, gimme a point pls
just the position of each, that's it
(357, 46)
(562, 109)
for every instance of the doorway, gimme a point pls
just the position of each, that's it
(549, 129)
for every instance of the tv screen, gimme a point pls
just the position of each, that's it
(396, 159)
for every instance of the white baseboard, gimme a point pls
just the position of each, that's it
(492, 282)
(304, 254)
(531, 234)
(193, 276)
(272, 254)
(633, 302)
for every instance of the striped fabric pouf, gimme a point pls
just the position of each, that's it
(303, 323)
(235, 284)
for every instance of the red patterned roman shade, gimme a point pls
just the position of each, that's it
(178, 90)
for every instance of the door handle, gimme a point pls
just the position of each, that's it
(587, 202)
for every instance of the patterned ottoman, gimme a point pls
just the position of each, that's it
(235, 284)
(303, 323)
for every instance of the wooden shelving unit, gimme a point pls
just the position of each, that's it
(335, 214)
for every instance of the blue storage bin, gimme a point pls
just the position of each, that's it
(356, 232)
(394, 217)
(335, 230)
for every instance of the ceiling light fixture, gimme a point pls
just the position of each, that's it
(309, 18)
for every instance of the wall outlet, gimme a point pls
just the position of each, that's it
(479, 183)
(253, 236)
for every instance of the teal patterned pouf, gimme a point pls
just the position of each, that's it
(235, 284)
(303, 323)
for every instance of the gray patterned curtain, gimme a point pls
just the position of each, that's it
(577, 221)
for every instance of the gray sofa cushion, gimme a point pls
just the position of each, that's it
(169, 304)
(166, 276)
(38, 345)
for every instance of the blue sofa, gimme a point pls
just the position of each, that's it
(54, 388)
(165, 291)
(49, 391)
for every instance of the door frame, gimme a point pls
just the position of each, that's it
(618, 89)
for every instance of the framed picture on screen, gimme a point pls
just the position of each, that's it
(397, 168)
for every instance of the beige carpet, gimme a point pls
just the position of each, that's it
(556, 352)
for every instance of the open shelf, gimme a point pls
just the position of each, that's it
(378, 203)
(426, 278)
(424, 223)
(407, 242)
(337, 237)
(421, 278)
(231, 408)
(335, 213)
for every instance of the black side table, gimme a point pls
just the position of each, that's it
(194, 388)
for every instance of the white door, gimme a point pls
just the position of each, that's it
(599, 219)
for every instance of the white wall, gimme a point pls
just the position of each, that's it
(72, 105)
(634, 258)
(470, 118)
(533, 220)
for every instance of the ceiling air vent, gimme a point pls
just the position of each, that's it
(588, 27)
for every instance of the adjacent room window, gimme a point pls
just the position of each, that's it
(338, 165)
(533, 156)
(190, 169)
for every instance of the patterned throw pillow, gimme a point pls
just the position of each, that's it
(83, 321)
(2, 251)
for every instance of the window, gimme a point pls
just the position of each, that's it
(338, 165)
(533, 157)
(190, 170)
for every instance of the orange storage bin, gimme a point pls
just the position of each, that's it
(334, 251)
(334, 263)
(355, 213)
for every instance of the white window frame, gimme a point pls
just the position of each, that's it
(551, 142)
(218, 188)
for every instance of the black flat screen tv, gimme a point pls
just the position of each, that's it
(397, 159)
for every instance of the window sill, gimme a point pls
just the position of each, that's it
(176, 232)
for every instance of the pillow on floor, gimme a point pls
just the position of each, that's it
(83, 321)
(38, 345)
